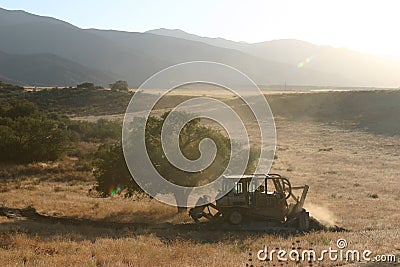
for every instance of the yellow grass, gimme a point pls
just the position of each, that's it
(81, 230)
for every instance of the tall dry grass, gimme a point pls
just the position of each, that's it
(80, 230)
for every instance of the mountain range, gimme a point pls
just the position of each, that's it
(37, 50)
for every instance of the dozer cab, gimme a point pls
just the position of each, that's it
(268, 199)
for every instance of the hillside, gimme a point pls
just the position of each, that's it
(360, 69)
(47, 69)
(136, 56)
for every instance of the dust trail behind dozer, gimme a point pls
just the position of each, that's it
(322, 219)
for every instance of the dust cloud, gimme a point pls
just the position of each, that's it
(322, 214)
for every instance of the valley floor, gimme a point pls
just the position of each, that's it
(353, 178)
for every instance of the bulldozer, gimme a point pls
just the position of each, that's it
(265, 200)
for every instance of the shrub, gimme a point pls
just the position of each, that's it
(102, 130)
(111, 172)
(119, 86)
(28, 135)
(113, 176)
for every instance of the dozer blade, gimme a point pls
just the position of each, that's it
(204, 211)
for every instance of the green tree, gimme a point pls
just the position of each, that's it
(21, 108)
(10, 86)
(28, 135)
(86, 85)
(112, 172)
(119, 86)
(101, 130)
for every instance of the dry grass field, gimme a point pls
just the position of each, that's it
(49, 218)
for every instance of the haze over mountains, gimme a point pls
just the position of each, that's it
(36, 50)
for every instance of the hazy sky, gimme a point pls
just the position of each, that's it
(371, 26)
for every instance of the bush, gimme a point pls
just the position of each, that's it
(86, 85)
(8, 86)
(20, 108)
(28, 135)
(112, 173)
(102, 130)
(72, 101)
(119, 86)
